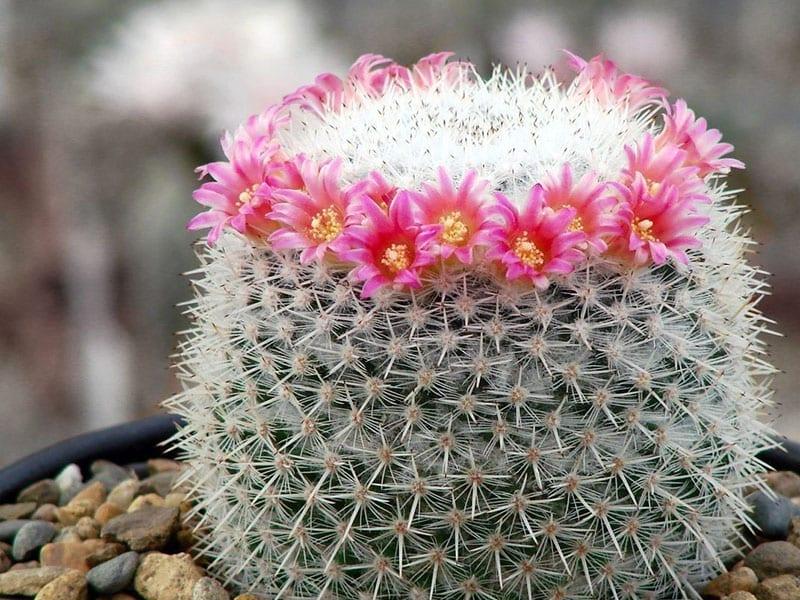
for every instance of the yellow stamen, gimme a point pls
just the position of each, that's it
(527, 251)
(247, 195)
(576, 225)
(455, 230)
(396, 257)
(326, 225)
(653, 187)
(643, 228)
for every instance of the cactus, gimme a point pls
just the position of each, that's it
(476, 432)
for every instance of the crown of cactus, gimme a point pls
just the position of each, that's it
(472, 338)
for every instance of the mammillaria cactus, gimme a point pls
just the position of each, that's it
(472, 338)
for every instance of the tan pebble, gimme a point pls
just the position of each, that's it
(161, 465)
(740, 579)
(73, 555)
(794, 532)
(785, 483)
(782, 587)
(104, 553)
(175, 499)
(166, 577)
(83, 504)
(741, 596)
(67, 534)
(20, 510)
(27, 582)
(246, 597)
(46, 512)
(5, 562)
(107, 511)
(69, 586)
(5, 548)
(24, 566)
(88, 528)
(124, 493)
(146, 500)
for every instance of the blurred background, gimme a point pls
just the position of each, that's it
(107, 105)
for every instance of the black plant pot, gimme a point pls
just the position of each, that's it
(123, 444)
(139, 440)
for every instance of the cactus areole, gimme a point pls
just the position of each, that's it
(457, 337)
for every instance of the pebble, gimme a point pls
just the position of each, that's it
(124, 493)
(73, 555)
(83, 504)
(9, 529)
(148, 528)
(46, 512)
(774, 558)
(794, 532)
(166, 577)
(105, 552)
(160, 483)
(69, 586)
(68, 534)
(11, 512)
(150, 499)
(107, 511)
(209, 589)
(741, 596)
(69, 481)
(246, 597)
(87, 528)
(741, 579)
(786, 483)
(45, 491)
(115, 575)
(782, 587)
(108, 473)
(31, 537)
(772, 516)
(159, 465)
(5, 561)
(28, 582)
(31, 564)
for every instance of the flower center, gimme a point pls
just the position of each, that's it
(326, 225)
(643, 228)
(247, 195)
(455, 230)
(527, 251)
(396, 257)
(653, 188)
(576, 225)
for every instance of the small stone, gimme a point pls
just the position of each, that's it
(69, 481)
(45, 491)
(185, 539)
(115, 575)
(741, 579)
(794, 532)
(28, 582)
(246, 597)
(785, 483)
(772, 516)
(783, 587)
(122, 597)
(5, 561)
(9, 529)
(73, 555)
(31, 537)
(108, 473)
(12, 512)
(69, 586)
(87, 528)
(105, 552)
(148, 528)
(160, 465)
(166, 577)
(83, 504)
(160, 483)
(741, 596)
(146, 500)
(31, 564)
(124, 493)
(68, 534)
(46, 512)
(774, 558)
(209, 589)
(107, 511)
(177, 500)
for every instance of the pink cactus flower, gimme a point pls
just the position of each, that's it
(435, 66)
(326, 93)
(657, 227)
(379, 190)
(702, 145)
(239, 196)
(595, 208)
(658, 169)
(375, 73)
(462, 217)
(259, 130)
(609, 85)
(313, 218)
(388, 248)
(534, 241)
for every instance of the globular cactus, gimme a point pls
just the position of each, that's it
(464, 338)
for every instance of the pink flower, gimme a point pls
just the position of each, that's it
(239, 196)
(326, 93)
(595, 213)
(609, 85)
(658, 169)
(375, 73)
(433, 67)
(702, 145)
(388, 249)
(534, 241)
(657, 227)
(461, 217)
(259, 130)
(313, 218)
(379, 190)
